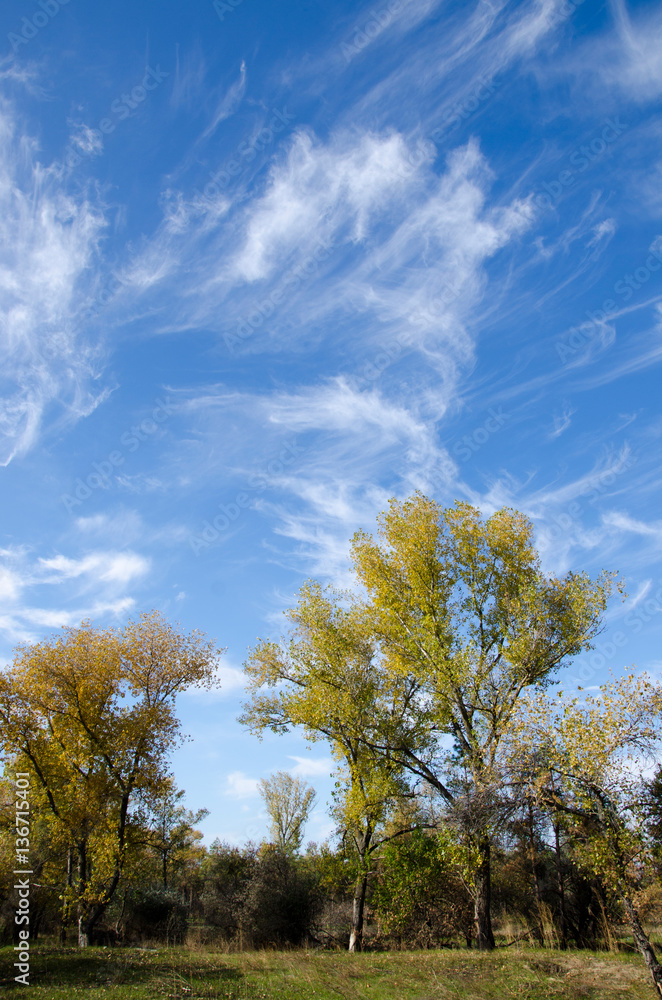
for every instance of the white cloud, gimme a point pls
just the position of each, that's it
(636, 58)
(359, 222)
(118, 568)
(229, 102)
(10, 585)
(626, 58)
(313, 767)
(90, 586)
(121, 528)
(565, 512)
(239, 786)
(232, 680)
(321, 191)
(338, 408)
(562, 422)
(624, 523)
(88, 140)
(49, 242)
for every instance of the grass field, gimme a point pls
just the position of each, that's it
(136, 974)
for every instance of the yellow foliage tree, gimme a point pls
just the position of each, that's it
(323, 678)
(89, 714)
(289, 802)
(463, 614)
(583, 756)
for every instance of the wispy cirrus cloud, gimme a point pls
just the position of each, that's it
(95, 585)
(49, 241)
(636, 58)
(621, 60)
(228, 103)
(623, 522)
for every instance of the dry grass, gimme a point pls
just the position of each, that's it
(205, 974)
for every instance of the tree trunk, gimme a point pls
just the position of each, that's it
(66, 899)
(84, 932)
(358, 907)
(560, 886)
(614, 826)
(88, 918)
(534, 872)
(643, 944)
(483, 905)
(119, 930)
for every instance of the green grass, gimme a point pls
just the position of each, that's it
(135, 974)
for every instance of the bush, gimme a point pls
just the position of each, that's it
(227, 873)
(265, 897)
(157, 914)
(420, 897)
(282, 900)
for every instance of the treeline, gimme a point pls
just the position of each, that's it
(420, 892)
(467, 785)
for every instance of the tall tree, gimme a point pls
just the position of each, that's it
(462, 611)
(89, 714)
(323, 678)
(289, 802)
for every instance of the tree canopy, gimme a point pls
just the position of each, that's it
(583, 757)
(420, 668)
(460, 608)
(89, 714)
(323, 678)
(289, 801)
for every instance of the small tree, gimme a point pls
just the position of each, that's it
(172, 833)
(583, 757)
(289, 802)
(281, 901)
(227, 872)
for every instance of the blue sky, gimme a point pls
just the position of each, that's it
(264, 267)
